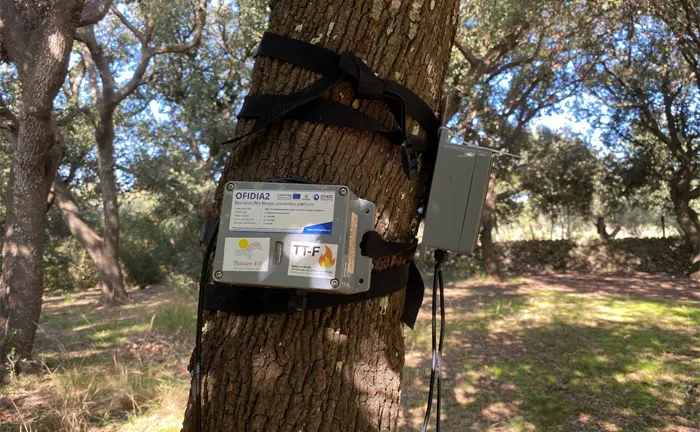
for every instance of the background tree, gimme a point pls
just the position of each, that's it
(626, 195)
(337, 368)
(517, 61)
(36, 39)
(650, 93)
(202, 92)
(152, 39)
(559, 176)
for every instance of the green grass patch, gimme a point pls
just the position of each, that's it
(548, 360)
(176, 316)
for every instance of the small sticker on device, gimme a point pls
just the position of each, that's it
(246, 254)
(314, 260)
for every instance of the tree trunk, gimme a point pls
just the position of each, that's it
(603, 230)
(39, 49)
(336, 369)
(113, 290)
(553, 218)
(488, 222)
(687, 219)
(81, 230)
(35, 159)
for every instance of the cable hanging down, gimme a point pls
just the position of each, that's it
(436, 364)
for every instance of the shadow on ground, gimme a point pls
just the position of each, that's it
(563, 352)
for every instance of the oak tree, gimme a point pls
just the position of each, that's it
(36, 38)
(647, 80)
(337, 368)
(517, 59)
(144, 24)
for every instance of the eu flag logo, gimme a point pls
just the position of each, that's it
(296, 196)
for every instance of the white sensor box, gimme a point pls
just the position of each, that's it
(301, 236)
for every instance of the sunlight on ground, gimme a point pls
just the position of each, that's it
(551, 352)
(121, 369)
(521, 356)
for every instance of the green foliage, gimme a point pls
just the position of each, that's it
(559, 174)
(147, 246)
(645, 89)
(67, 267)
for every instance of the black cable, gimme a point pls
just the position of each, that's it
(442, 337)
(426, 419)
(200, 308)
(436, 366)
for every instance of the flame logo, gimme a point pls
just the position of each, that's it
(246, 249)
(326, 260)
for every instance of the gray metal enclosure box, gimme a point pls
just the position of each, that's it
(302, 236)
(457, 196)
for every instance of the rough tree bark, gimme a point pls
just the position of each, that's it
(687, 217)
(337, 369)
(37, 42)
(81, 230)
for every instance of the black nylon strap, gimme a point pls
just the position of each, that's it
(324, 61)
(334, 68)
(323, 111)
(249, 301)
(300, 53)
(374, 246)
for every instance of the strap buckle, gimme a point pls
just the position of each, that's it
(409, 159)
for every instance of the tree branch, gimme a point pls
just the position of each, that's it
(669, 97)
(474, 61)
(147, 53)
(506, 44)
(94, 11)
(95, 93)
(140, 36)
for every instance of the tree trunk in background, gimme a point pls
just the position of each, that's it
(39, 49)
(81, 230)
(687, 218)
(107, 98)
(488, 222)
(336, 369)
(113, 290)
(603, 230)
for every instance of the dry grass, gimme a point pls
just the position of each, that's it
(106, 369)
(548, 353)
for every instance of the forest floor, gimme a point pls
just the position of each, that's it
(549, 352)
